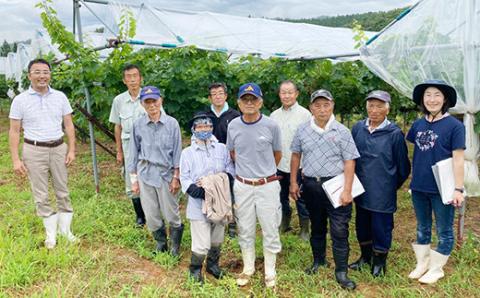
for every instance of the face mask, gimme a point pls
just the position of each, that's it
(202, 135)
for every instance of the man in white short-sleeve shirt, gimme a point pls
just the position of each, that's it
(40, 111)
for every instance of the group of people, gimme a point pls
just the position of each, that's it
(244, 166)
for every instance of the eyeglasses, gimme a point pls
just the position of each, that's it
(38, 72)
(217, 94)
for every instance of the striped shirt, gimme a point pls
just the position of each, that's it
(198, 161)
(324, 153)
(155, 149)
(41, 115)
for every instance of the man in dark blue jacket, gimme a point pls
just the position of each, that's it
(382, 168)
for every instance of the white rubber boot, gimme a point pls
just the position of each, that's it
(435, 270)
(270, 273)
(64, 222)
(248, 256)
(422, 254)
(50, 224)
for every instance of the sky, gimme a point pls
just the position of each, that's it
(20, 18)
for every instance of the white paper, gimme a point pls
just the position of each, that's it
(443, 173)
(334, 187)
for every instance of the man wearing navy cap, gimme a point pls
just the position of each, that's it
(155, 147)
(383, 153)
(254, 141)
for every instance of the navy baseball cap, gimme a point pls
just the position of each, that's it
(250, 88)
(150, 92)
(380, 95)
(447, 90)
(321, 93)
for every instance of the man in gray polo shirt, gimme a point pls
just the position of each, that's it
(126, 108)
(328, 150)
(40, 111)
(254, 141)
(155, 147)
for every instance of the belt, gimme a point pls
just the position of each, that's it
(318, 179)
(50, 144)
(260, 181)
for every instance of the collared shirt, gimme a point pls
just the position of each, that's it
(324, 153)
(125, 111)
(155, 149)
(381, 126)
(317, 128)
(198, 161)
(254, 144)
(225, 108)
(41, 115)
(289, 120)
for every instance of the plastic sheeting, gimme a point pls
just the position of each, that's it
(3, 61)
(437, 39)
(232, 34)
(17, 62)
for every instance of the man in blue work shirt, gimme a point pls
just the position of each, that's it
(155, 147)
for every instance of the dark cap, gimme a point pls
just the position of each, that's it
(250, 88)
(380, 95)
(199, 115)
(321, 93)
(447, 90)
(150, 92)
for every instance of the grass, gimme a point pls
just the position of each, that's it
(114, 259)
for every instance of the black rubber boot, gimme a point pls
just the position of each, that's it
(196, 263)
(319, 247)
(232, 230)
(304, 229)
(285, 224)
(175, 240)
(317, 263)
(365, 257)
(379, 263)
(137, 206)
(212, 262)
(344, 281)
(341, 267)
(160, 236)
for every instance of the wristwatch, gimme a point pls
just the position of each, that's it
(460, 190)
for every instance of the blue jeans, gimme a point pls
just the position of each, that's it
(424, 203)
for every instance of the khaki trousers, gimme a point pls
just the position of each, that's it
(41, 163)
(205, 235)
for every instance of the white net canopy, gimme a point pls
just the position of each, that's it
(231, 34)
(437, 39)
